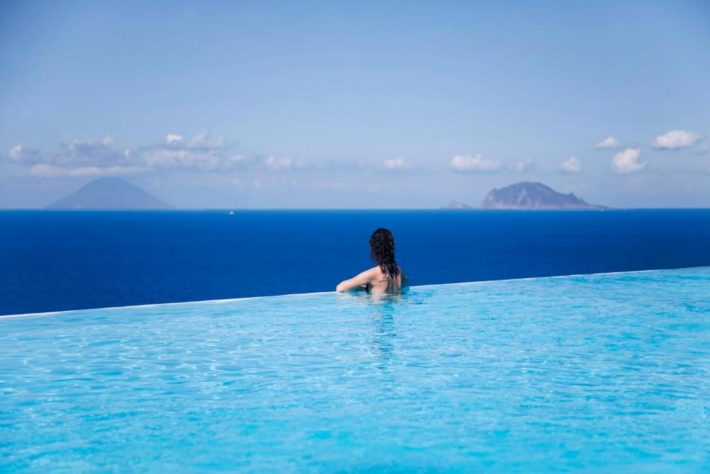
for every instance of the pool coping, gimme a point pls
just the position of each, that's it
(291, 295)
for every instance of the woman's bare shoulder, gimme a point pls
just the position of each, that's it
(375, 272)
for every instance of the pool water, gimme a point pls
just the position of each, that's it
(596, 373)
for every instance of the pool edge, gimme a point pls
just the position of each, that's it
(291, 295)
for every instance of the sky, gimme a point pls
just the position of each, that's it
(264, 104)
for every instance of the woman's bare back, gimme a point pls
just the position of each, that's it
(375, 280)
(384, 283)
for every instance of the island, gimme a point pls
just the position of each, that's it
(456, 205)
(528, 195)
(109, 193)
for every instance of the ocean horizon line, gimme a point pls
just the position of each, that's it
(346, 209)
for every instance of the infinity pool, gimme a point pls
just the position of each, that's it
(594, 373)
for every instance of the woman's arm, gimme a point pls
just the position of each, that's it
(360, 280)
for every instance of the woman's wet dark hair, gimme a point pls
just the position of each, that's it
(382, 251)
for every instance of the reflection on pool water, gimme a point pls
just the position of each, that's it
(599, 372)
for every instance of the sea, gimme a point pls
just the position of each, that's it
(62, 260)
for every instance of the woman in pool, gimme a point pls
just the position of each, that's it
(386, 276)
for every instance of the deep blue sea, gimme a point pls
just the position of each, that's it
(72, 260)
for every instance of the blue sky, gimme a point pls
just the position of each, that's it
(358, 104)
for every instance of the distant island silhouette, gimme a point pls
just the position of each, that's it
(531, 195)
(457, 205)
(109, 193)
(528, 195)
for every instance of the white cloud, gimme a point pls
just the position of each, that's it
(278, 164)
(525, 165)
(205, 140)
(102, 158)
(571, 165)
(237, 159)
(626, 161)
(608, 142)
(180, 158)
(173, 138)
(44, 170)
(202, 140)
(16, 151)
(100, 153)
(88, 153)
(21, 154)
(475, 163)
(397, 164)
(202, 153)
(674, 140)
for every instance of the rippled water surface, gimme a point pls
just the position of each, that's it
(602, 372)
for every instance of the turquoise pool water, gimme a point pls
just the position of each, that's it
(597, 373)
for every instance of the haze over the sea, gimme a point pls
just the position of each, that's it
(356, 105)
